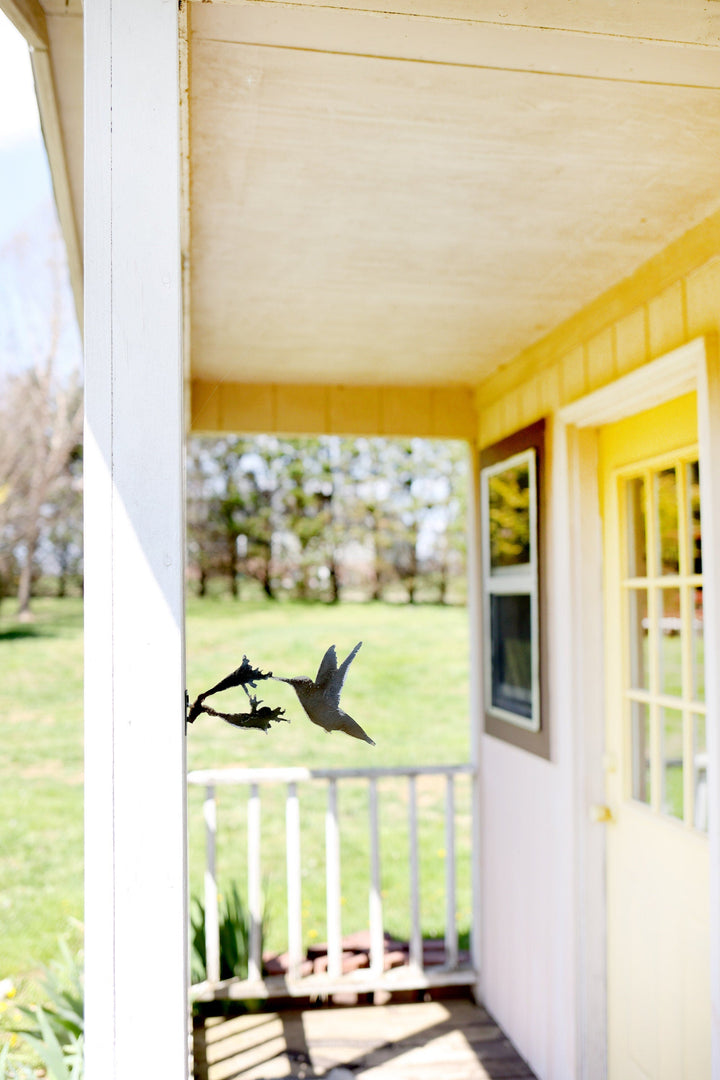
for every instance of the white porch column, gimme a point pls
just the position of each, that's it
(135, 854)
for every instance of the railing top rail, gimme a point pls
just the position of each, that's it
(292, 774)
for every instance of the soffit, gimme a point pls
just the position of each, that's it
(418, 194)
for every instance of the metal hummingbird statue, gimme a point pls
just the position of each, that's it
(321, 699)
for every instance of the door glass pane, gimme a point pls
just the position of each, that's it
(693, 490)
(511, 653)
(639, 667)
(698, 645)
(700, 764)
(667, 521)
(509, 507)
(640, 723)
(637, 532)
(670, 642)
(672, 762)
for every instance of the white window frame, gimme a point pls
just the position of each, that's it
(519, 580)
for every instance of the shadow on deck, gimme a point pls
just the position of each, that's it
(453, 1039)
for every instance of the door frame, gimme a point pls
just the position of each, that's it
(578, 636)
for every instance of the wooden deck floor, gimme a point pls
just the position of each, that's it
(452, 1039)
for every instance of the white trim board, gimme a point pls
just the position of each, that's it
(693, 366)
(660, 380)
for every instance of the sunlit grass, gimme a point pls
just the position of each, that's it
(407, 687)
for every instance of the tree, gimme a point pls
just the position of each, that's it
(40, 398)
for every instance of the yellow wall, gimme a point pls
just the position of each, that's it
(440, 412)
(670, 300)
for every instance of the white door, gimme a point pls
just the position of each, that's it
(656, 760)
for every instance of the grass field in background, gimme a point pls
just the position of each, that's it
(407, 687)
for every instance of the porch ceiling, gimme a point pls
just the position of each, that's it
(416, 194)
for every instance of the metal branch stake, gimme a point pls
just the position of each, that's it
(260, 716)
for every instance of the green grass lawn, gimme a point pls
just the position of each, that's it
(407, 687)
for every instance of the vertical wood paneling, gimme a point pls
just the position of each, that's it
(573, 376)
(631, 341)
(550, 396)
(301, 408)
(703, 299)
(453, 411)
(667, 320)
(355, 410)
(406, 410)
(600, 359)
(529, 402)
(247, 408)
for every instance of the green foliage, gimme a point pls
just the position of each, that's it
(11, 1070)
(310, 516)
(63, 985)
(509, 498)
(234, 934)
(63, 1061)
(54, 1031)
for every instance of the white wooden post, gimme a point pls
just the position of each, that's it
(476, 709)
(709, 433)
(451, 941)
(212, 923)
(416, 946)
(332, 882)
(135, 854)
(377, 937)
(254, 885)
(294, 881)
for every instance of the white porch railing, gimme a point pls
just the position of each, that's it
(414, 974)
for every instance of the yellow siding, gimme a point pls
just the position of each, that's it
(430, 411)
(631, 341)
(600, 358)
(354, 410)
(669, 301)
(666, 314)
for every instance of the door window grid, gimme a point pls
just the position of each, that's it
(662, 586)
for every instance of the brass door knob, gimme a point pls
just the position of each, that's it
(600, 814)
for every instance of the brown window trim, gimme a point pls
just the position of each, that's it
(532, 437)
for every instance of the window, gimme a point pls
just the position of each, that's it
(510, 478)
(665, 670)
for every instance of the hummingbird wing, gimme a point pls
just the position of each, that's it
(328, 668)
(335, 682)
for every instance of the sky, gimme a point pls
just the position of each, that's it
(24, 179)
(26, 209)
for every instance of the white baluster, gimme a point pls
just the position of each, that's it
(212, 928)
(451, 943)
(332, 880)
(254, 885)
(416, 947)
(294, 885)
(377, 945)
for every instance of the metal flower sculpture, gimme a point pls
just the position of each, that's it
(260, 716)
(320, 698)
